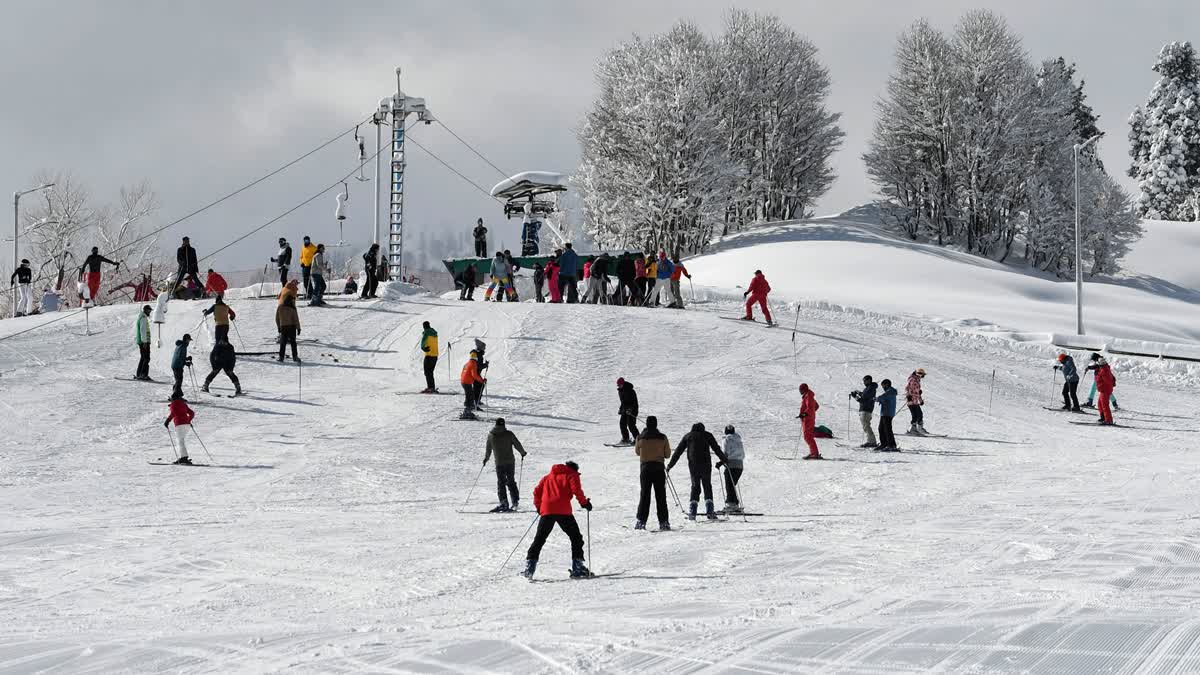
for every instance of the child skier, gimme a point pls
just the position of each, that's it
(179, 360)
(470, 378)
(501, 442)
(698, 444)
(1112, 399)
(1105, 383)
(808, 420)
(652, 448)
(887, 410)
(552, 500)
(735, 455)
(912, 395)
(757, 293)
(179, 412)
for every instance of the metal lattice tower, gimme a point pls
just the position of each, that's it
(400, 105)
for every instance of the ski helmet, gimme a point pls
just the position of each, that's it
(1062, 357)
(499, 421)
(728, 428)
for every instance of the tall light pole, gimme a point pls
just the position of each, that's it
(1078, 250)
(401, 106)
(17, 226)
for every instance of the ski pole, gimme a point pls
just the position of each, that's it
(849, 408)
(675, 493)
(693, 287)
(239, 334)
(737, 496)
(210, 457)
(510, 555)
(991, 392)
(521, 475)
(589, 537)
(192, 375)
(87, 322)
(472, 490)
(1053, 381)
(300, 391)
(172, 437)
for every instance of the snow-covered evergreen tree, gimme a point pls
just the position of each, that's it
(1165, 138)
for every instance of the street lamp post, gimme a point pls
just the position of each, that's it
(17, 226)
(1078, 250)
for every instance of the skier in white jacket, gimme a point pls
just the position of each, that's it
(735, 454)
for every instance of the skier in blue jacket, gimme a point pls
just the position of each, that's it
(1070, 390)
(178, 360)
(664, 270)
(568, 274)
(887, 410)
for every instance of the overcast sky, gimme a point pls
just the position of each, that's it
(200, 97)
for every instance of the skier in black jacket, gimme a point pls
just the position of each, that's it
(699, 443)
(223, 358)
(185, 257)
(866, 407)
(628, 411)
(626, 279)
(283, 260)
(370, 266)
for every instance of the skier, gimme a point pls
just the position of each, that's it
(222, 314)
(1105, 382)
(471, 381)
(480, 235)
(569, 267)
(652, 448)
(598, 281)
(539, 280)
(23, 276)
(223, 358)
(651, 272)
(283, 260)
(1070, 390)
(663, 269)
(552, 280)
(179, 360)
(912, 396)
(141, 338)
(500, 278)
(735, 455)
(189, 267)
(887, 410)
(808, 420)
(429, 345)
(628, 411)
(678, 271)
(215, 283)
(318, 267)
(552, 500)
(50, 301)
(698, 444)
(179, 412)
(384, 273)
(757, 292)
(626, 279)
(287, 320)
(91, 265)
(351, 286)
(513, 266)
(501, 441)
(468, 283)
(866, 405)
(307, 251)
(1112, 398)
(290, 290)
(639, 280)
(370, 263)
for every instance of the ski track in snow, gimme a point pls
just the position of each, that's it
(333, 543)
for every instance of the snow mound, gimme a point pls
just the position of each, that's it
(849, 261)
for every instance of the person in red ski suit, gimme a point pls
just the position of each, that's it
(552, 501)
(181, 414)
(757, 294)
(808, 420)
(1105, 382)
(215, 283)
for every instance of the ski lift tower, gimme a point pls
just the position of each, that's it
(399, 106)
(525, 195)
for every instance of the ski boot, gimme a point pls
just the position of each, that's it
(747, 318)
(467, 415)
(237, 390)
(204, 388)
(709, 512)
(813, 455)
(514, 506)
(579, 570)
(692, 511)
(502, 508)
(921, 428)
(639, 525)
(183, 460)
(733, 508)
(530, 567)
(866, 446)
(664, 526)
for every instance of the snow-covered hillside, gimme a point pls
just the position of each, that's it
(1170, 251)
(329, 537)
(854, 262)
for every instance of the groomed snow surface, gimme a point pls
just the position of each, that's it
(328, 537)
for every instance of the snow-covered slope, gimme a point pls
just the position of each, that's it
(1170, 251)
(855, 263)
(328, 538)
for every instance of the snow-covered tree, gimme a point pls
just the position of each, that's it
(691, 137)
(1165, 138)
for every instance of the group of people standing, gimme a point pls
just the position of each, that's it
(885, 396)
(1103, 382)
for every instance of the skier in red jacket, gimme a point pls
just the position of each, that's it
(215, 283)
(552, 501)
(181, 414)
(808, 420)
(1105, 382)
(757, 294)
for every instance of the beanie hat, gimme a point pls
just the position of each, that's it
(1096, 356)
(499, 421)
(651, 422)
(729, 428)
(620, 381)
(573, 466)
